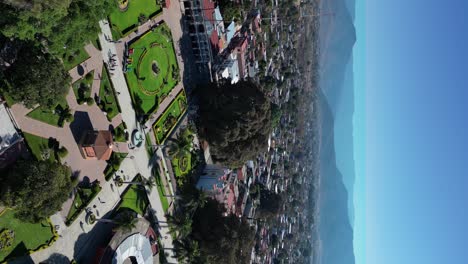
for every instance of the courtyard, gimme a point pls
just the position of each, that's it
(152, 69)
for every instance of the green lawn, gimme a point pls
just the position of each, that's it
(148, 145)
(37, 145)
(135, 198)
(120, 133)
(182, 165)
(83, 197)
(113, 164)
(71, 61)
(124, 22)
(27, 236)
(109, 103)
(161, 191)
(82, 87)
(166, 122)
(153, 71)
(49, 116)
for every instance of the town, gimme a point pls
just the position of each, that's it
(158, 131)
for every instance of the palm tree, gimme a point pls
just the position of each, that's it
(187, 250)
(148, 183)
(182, 145)
(198, 200)
(125, 220)
(182, 224)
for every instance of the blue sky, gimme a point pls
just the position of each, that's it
(411, 132)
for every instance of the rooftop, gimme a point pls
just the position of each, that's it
(8, 133)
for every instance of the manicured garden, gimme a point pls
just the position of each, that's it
(134, 197)
(119, 133)
(108, 101)
(40, 147)
(167, 121)
(70, 61)
(55, 116)
(83, 196)
(113, 164)
(128, 14)
(25, 237)
(82, 89)
(152, 70)
(182, 164)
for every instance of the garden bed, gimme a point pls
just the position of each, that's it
(107, 96)
(113, 164)
(55, 116)
(70, 61)
(182, 165)
(119, 133)
(83, 196)
(39, 146)
(152, 71)
(28, 237)
(168, 120)
(134, 198)
(161, 190)
(82, 89)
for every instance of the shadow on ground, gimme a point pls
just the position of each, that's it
(87, 244)
(56, 258)
(80, 124)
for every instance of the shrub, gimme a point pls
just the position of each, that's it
(7, 237)
(89, 76)
(90, 101)
(69, 118)
(110, 112)
(62, 152)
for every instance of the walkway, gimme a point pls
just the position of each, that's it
(70, 242)
(141, 162)
(77, 240)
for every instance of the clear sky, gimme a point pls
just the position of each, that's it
(411, 132)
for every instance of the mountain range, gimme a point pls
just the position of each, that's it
(337, 172)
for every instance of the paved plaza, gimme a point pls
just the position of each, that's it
(78, 240)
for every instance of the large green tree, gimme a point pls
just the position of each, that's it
(36, 189)
(30, 19)
(62, 26)
(36, 78)
(235, 119)
(222, 239)
(270, 202)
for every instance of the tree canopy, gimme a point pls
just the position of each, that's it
(36, 189)
(62, 26)
(235, 119)
(270, 202)
(36, 77)
(222, 239)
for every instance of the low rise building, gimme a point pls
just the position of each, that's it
(96, 144)
(11, 142)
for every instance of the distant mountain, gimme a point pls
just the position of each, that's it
(336, 233)
(337, 38)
